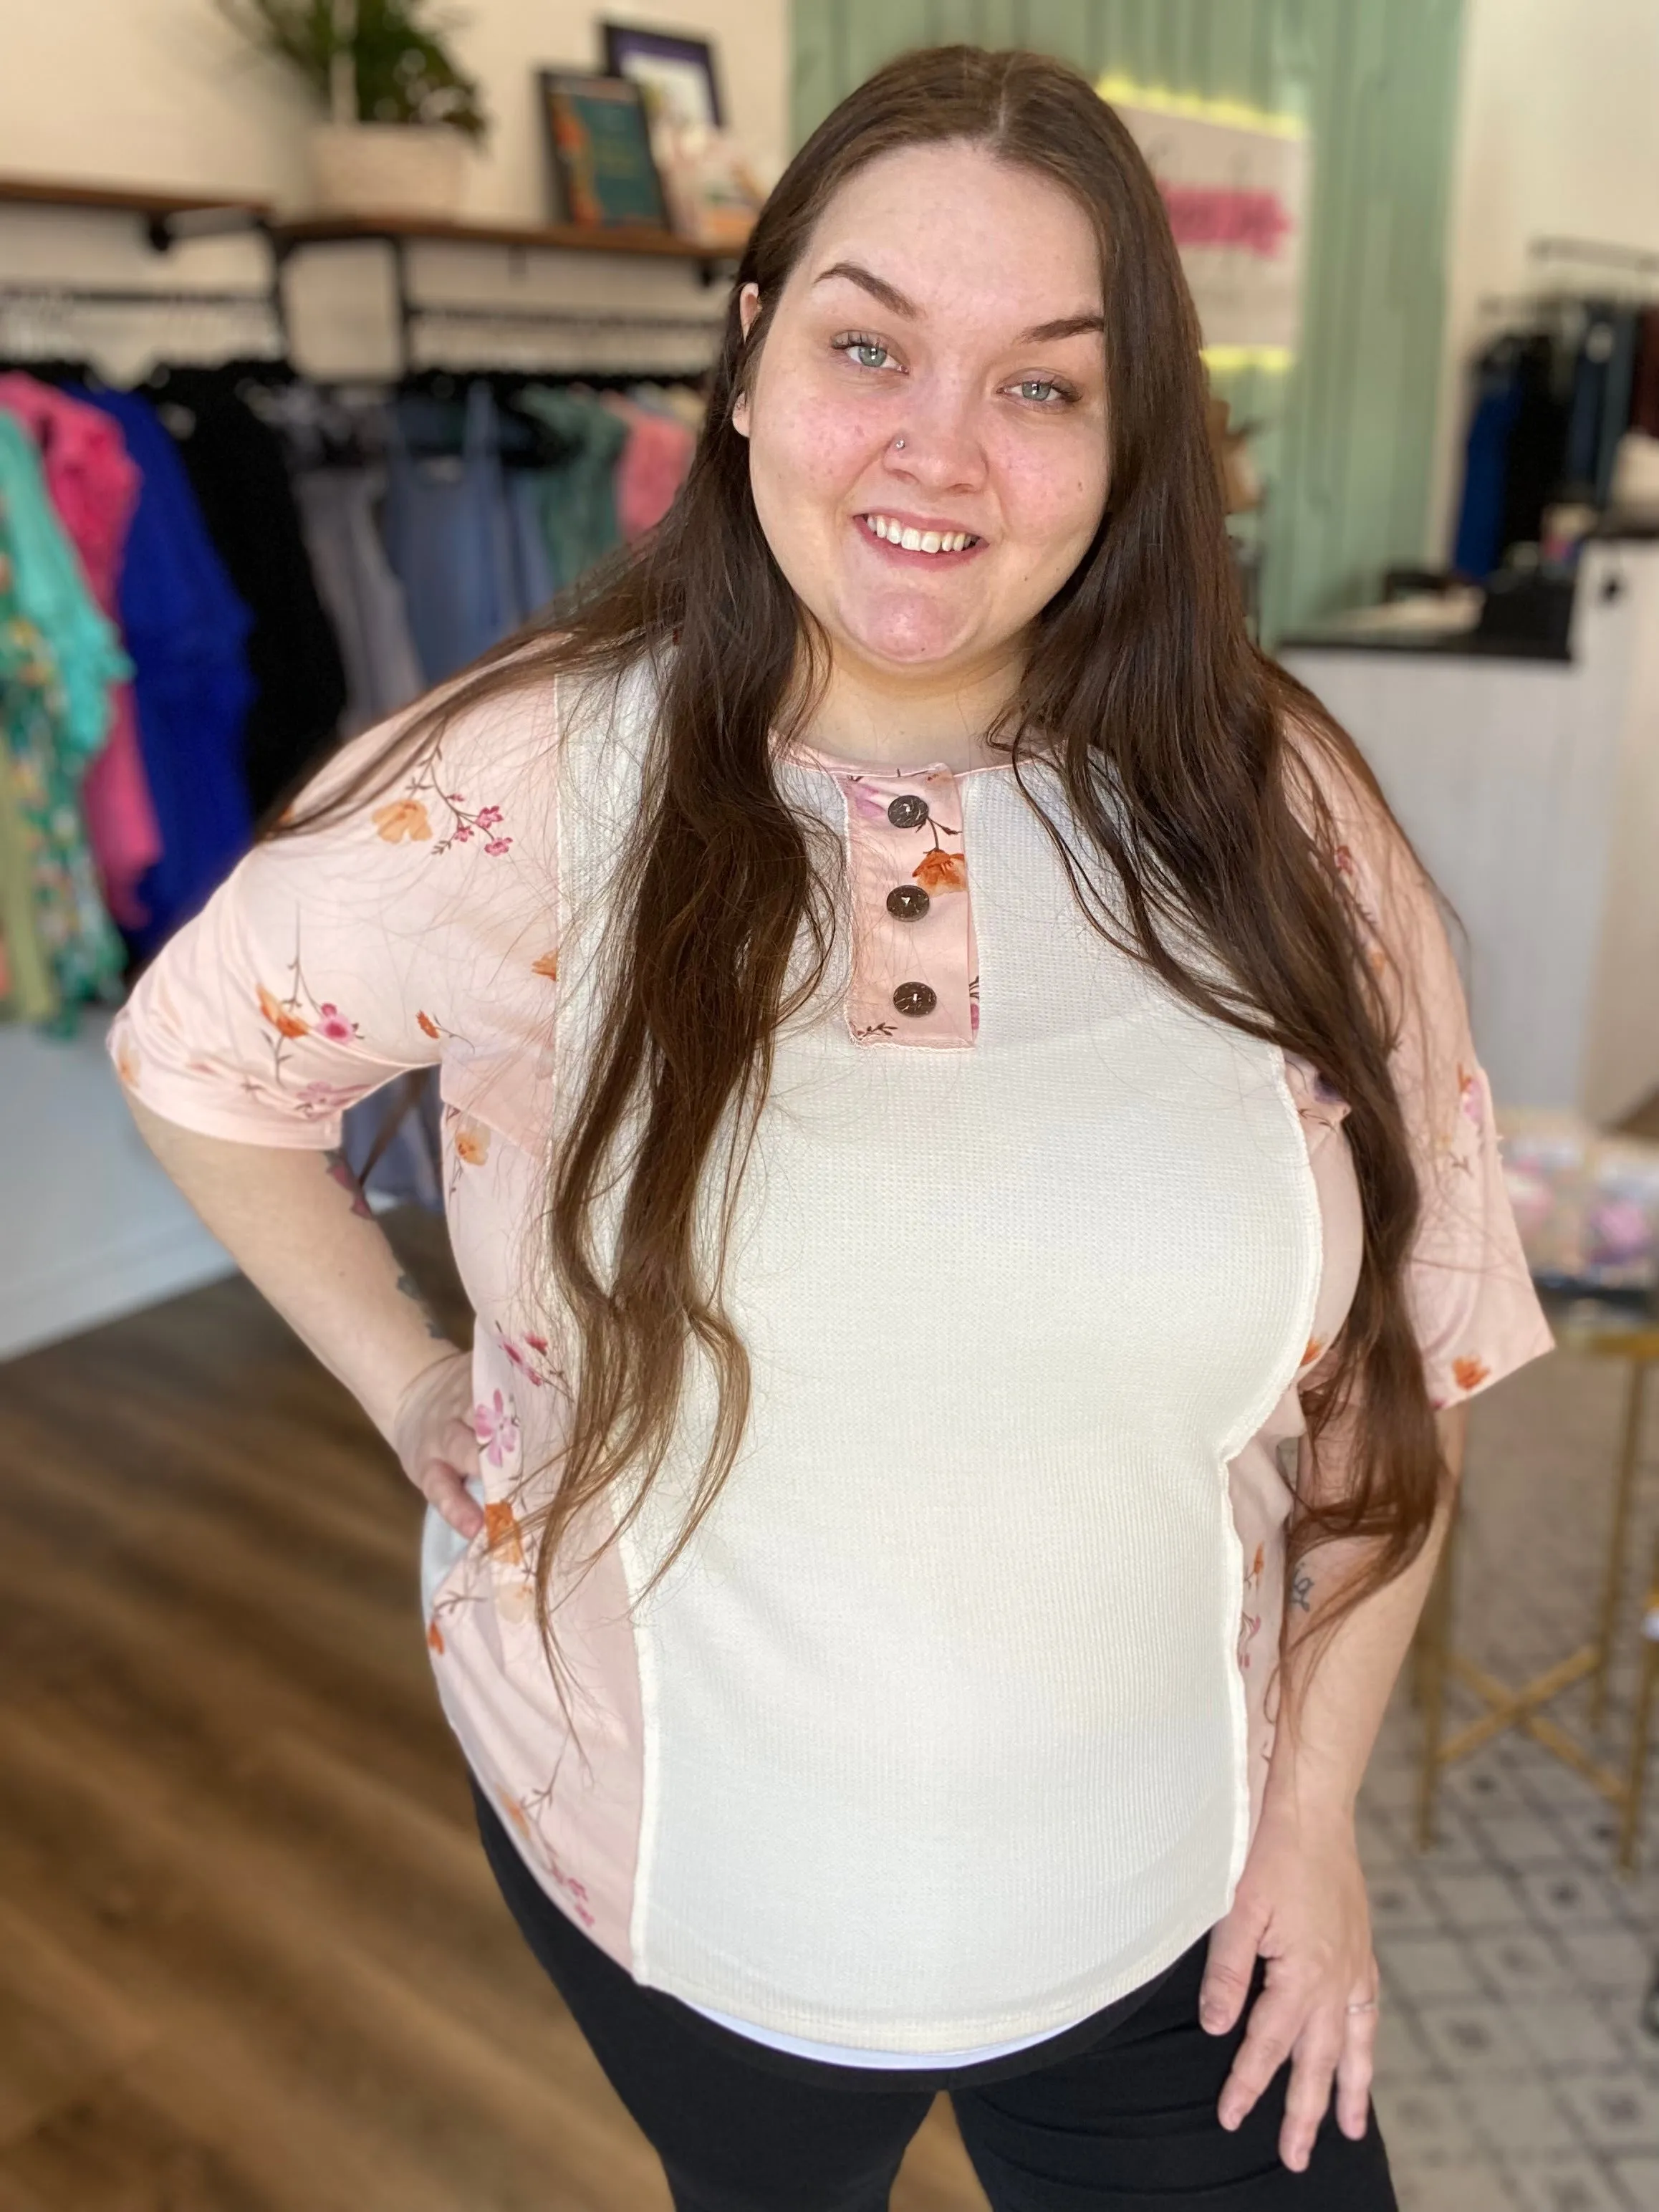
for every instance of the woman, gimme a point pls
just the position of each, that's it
(964, 1146)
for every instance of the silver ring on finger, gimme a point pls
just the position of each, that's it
(1369, 2005)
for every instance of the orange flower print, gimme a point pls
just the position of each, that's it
(471, 1141)
(434, 1637)
(126, 1059)
(282, 1019)
(939, 871)
(1469, 1096)
(1314, 1347)
(515, 1812)
(1468, 1372)
(548, 965)
(403, 818)
(427, 1023)
(501, 1533)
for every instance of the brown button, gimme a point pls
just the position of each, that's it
(915, 997)
(909, 902)
(907, 811)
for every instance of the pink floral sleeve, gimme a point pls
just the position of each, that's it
(332, 960)
(1477, 1315)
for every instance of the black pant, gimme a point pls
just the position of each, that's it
(1127, 2121)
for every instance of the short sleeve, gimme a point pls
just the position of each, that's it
(1476, 1315)
(334, 959)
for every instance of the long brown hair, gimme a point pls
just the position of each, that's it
(1191, 838)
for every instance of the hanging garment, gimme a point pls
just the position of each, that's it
(28, 993)
(447, 530)
(364, 599)
(1479, 545)
(652, 467)
(51, 593)
(1644, 384)
(184, 627)
(528, 491)
(239, 474)
(62, 943)
(1615, 410)
(1601, 398)
(1537, 443)
(93, 487)
(579, 497)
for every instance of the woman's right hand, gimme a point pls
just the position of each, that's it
(433, 1436)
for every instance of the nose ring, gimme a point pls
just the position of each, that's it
(898, 444)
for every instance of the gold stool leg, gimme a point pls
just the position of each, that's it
(1430, 1651)
(1629, 1453)
(1641, 1727)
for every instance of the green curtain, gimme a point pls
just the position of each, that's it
(1347, 446)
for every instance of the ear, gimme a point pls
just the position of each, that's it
(748, 309)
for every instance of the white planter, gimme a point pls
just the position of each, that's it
(387, 168)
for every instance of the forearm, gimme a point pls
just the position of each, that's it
(297, 1225)
(1337, 1689)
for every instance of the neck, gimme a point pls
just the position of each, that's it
(874, 719)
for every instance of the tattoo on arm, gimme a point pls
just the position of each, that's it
(411, 1289)
(1302, 1584)
(339, 1171)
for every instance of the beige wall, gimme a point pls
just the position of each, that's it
(1558, 136)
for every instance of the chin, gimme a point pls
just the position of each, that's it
(911, 637)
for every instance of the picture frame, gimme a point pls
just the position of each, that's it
(598, 141)
(676, 71)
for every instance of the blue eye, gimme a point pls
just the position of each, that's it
(1040, 389)
(866, 353)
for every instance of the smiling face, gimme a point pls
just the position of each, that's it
(952, 301)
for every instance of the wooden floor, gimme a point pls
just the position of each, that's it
(251, 1959)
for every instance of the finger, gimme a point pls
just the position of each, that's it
(458, 1445)
(1229, 1967)
(1354, 2071)
(446, 1492)
(1309, 2097)
(1277, 2020)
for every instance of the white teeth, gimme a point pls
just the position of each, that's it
(917, 541)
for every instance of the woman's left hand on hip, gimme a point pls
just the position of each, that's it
(1301, 1905)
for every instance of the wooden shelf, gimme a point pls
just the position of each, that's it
(127, 199)
(563, 238)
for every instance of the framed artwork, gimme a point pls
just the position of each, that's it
(677, 73)
(599, 144)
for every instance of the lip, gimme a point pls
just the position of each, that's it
(942, 524)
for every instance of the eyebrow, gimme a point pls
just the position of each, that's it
(896, 303)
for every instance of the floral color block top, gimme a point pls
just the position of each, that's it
(951, 1725)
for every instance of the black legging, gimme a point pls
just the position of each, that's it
(1124, 2121)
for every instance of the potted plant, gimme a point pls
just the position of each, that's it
(399, 109)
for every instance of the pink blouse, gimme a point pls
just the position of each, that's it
(953, 1725)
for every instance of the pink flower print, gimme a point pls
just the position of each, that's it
(497, 845)
(1469, 1098)
(496, 1427)
(462, 832)
(332, 1024)
(869, 804)
(487, 817)
(973, 1016)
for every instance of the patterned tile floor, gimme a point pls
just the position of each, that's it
(1515, 2072)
